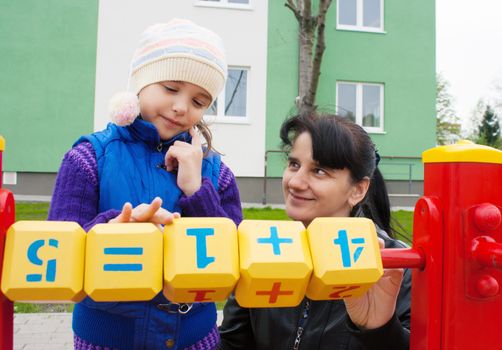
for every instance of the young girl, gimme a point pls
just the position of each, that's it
(149, 168)
(332, 172)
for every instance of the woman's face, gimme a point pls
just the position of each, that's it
(312, 191)
(173, 106)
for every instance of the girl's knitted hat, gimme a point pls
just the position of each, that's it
(178, 50)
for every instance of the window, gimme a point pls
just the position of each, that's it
(363, 15)
(239, 4)
(361, 103)
(231, 105)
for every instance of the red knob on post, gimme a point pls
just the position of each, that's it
(403, 258)
(487, 286)
(487, 217)
(487, 252)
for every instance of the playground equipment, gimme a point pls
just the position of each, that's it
(456, 300)
(456, 255)
(44, 261)
(7, 215)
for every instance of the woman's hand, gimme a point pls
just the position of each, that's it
(152, 212)
(376, 307)
(188, 159)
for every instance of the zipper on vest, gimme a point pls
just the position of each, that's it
(159, 147)
(301, 325)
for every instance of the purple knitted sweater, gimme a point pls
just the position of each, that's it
(76, 193)
(76, 196)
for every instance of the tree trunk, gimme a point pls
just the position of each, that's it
(306, 39)
(311, 31)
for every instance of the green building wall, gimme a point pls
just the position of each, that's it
(48, 60)
(48, 65)
(402, 58)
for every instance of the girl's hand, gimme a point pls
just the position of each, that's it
(152, 212)
(188, 159)
(375, 308)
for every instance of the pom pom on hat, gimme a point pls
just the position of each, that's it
(124, 108)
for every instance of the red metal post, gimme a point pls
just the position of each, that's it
(7, 217)
(464, 182)
(2, 147)
(426, 296)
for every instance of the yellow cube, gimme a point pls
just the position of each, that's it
(346, 257)
(275, 263)
(201, 259)
(44, 261)
(123, 262)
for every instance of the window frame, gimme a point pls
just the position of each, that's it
(359, 27)
(224, 4)
(359, 104)
(220, 116)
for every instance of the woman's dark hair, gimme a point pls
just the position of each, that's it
(338, 143)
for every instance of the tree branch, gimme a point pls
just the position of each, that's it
(293, 7)
(306, 10)
(319, 50)
(325, 4)
(234, 92)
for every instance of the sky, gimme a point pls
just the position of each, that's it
(469, 51)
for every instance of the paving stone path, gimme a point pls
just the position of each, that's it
(46, 331)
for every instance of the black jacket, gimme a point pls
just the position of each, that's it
(326, 326)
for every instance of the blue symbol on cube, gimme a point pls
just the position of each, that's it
(32, 253)
(201, 245)
(123, 251)
(275, 240)
(343, 242)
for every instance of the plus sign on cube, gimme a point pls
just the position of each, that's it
(275, 263)
(123, 262)
(346, 257)
(44, 260)
(201, 261)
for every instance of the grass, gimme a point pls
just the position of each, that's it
(266, 213)
(38, 211)
(31, 210)
(24, 308)
(404, 221)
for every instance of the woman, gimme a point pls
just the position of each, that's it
(331, 172)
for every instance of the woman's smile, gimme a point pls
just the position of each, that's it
(298, 198)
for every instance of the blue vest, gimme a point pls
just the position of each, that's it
(129, 166)
(129, 163)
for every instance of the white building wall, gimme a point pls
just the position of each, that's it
(244, 32)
